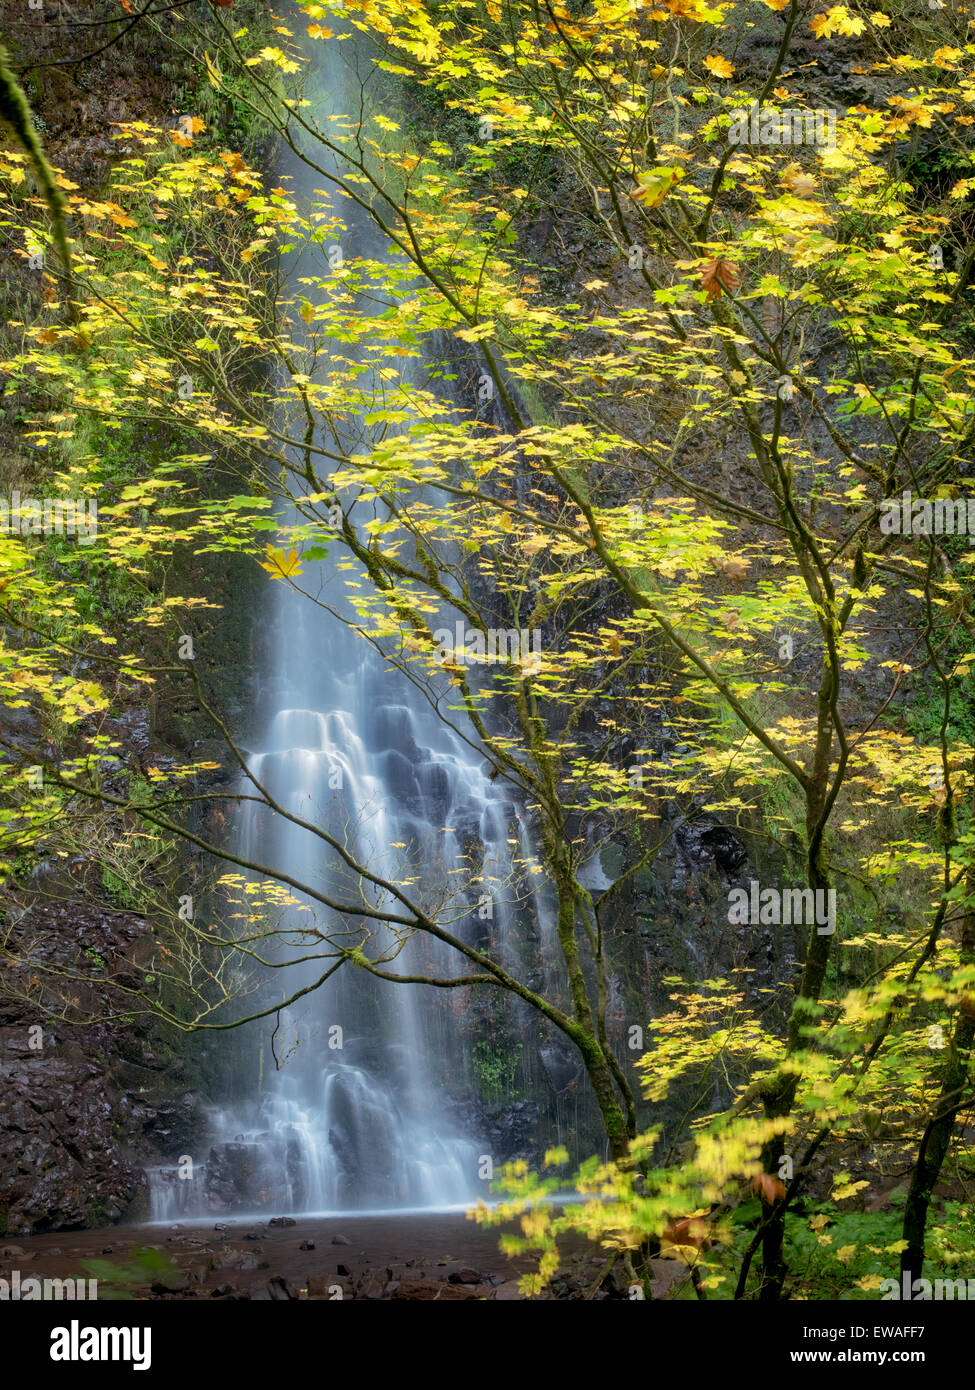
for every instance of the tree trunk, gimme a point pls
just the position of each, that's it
(937, 1134)
(935, 1142)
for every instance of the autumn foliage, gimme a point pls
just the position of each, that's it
(670, 449)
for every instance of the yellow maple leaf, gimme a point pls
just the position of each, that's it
(281, 563)
(718, 65)
(654, 185)
(307, 311)
(213, 72)
(475, 333)
(843, 1187)
(836, 20)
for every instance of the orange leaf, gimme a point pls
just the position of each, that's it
(719, 66)
(769, 1188)
(732, 568)
(684, 1239)
(801, 184)
(719, 275)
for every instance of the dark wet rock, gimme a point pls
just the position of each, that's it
(334, 1287)
(433, 1290)
(176, 1282)
(235, 1259)
(398, 779)
(392, 727)
(282, 1221)
(508, 1292)
(307, 1245)
(561, 1063)
(171, 1125)
(465, 1275)
(233, 1175)
(617, 1283)
(280, 1289)
(724, 847)
(371, 1285)
(84, 1106)
(434, 780)
(506, 1132)
(341, 1240)
(361, 1139)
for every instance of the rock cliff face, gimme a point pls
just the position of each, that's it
(81, 1108)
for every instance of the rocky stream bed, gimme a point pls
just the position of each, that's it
(426, 1256)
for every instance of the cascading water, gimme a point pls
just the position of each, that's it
(353, 1114)
(360, 1125)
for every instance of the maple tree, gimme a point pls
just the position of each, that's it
(663, 586)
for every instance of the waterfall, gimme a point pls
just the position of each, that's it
(361, 1125)
(352, 1111)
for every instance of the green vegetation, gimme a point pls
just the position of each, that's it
(496, 1069)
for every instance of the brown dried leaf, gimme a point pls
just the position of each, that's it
(719, 275)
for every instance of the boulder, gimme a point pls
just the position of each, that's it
(433, 1290)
